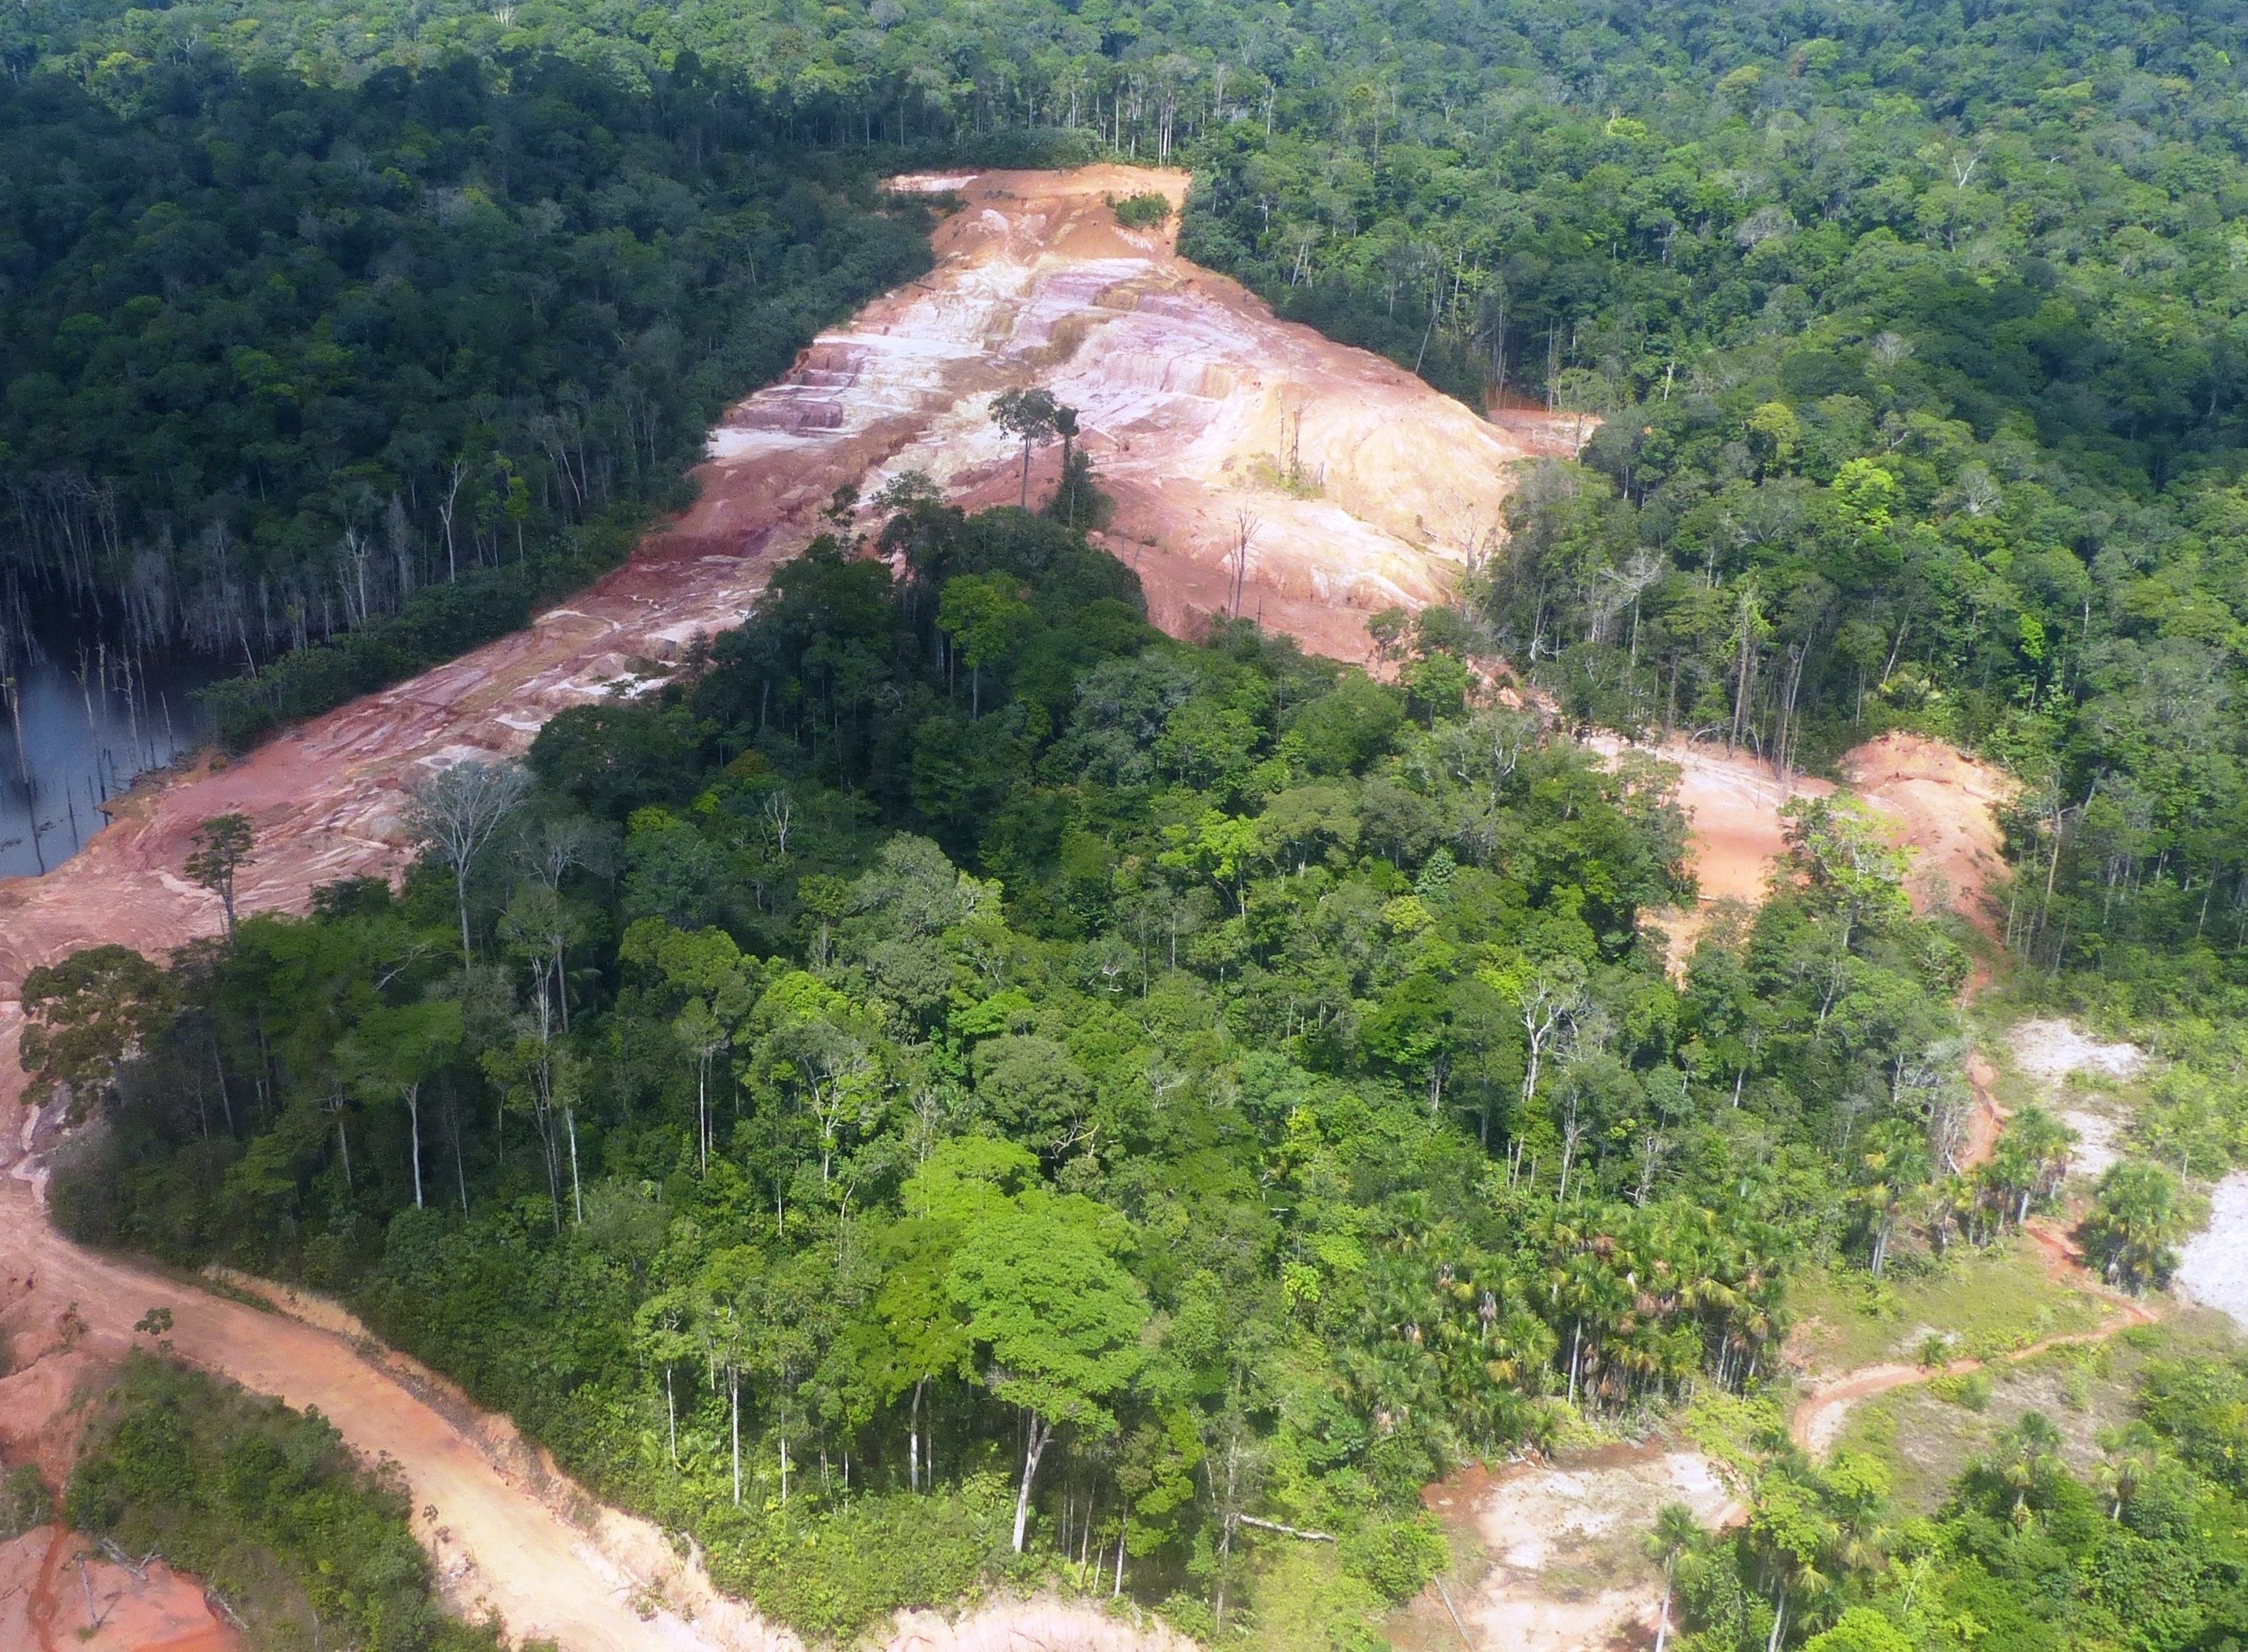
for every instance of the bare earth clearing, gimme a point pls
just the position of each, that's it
(1567, 1568)
(2213, 1266)
(1354, 487)
(54, 1594)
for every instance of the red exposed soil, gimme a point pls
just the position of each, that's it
(1946, 805)
(57, 1596)
(1358, 487)
(1941, 802)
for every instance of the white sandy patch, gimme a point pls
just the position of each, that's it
(1584, 1526)
(2096, 1146)
(2049, 1050)
(930, 182)
(2214, 1267)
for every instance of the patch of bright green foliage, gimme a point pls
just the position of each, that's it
(2150, 1550)
(1147, 211)
(1983, 1303)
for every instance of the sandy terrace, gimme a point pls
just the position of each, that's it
(1356, 485)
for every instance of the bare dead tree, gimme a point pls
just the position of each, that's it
(1244, 532)
(457, 810)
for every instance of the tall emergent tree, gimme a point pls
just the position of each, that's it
(456, 813)
(1059, 1317)
(1030, 414)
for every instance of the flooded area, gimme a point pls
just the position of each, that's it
(75, 729)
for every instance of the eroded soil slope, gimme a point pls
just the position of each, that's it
(1241, 451)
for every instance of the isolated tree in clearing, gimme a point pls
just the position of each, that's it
(222, 848)
(1032, 414)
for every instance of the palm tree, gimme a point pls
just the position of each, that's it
(2028, 1458)
(1675, 1533)
(2132, 1463)
(2036, 1147)
(2134, 1220)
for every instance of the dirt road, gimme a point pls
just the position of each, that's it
(504, 1548)
(1818, 1419)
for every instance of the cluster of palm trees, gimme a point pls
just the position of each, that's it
(1623, 1306)
(1646, 1298)
(2023, 1173)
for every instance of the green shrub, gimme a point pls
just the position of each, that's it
(839, 1574)
(24, 1502)
(1146, 211)
(1969, 1388)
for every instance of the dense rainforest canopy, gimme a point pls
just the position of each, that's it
(1916, 329)
(885, 1112)
(957, 1086)
(285, 359)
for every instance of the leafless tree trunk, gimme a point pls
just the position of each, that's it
(456, 812)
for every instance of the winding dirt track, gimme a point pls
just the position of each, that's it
(1257, 466)
(1819, 1417)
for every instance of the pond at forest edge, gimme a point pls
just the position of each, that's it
(73, 734)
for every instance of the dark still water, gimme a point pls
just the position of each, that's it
(75, 732)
